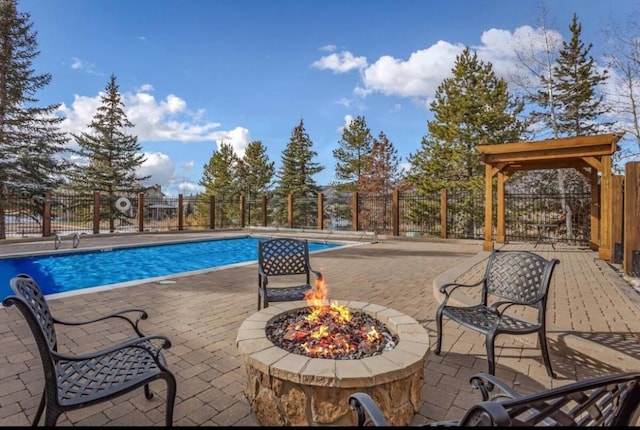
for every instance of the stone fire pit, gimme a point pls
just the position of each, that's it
(287, 389)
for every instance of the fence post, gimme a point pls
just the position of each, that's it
(140, 212)
(212, 212)
(443, 213)
(290, 210)
(354, 205)
(631, 259)
(242, 212)
(617, 202)
(46, 215)
(395, 212)
(180, 212)
(320, 211)
(96, 212)
(264, 210)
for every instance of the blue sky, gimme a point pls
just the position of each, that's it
(195, 73)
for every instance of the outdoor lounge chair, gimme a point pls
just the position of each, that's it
(282, 257)
(513, 280)
(611, 400)
(76, 381)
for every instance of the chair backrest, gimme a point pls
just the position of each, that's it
(519, 276)
(30, 301)
(284, 256)
(611, 400)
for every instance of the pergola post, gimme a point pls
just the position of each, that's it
(487, 245)
(500, 236)
(594, 221)
(606, 211)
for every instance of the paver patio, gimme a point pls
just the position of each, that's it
(594, 316)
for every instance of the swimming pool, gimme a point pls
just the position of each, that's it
(61, 273)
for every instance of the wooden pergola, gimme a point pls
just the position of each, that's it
(589, 155)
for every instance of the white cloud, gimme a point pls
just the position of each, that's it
(238, 138)
(187, 187)
(188, 166)
(159, 166)
(341, 62)
(164, 120)
(155, 120)
(82, 65)
(423, 71)
(328, 48)
(348, 119)
(418, 76)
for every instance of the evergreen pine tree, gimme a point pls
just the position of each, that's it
(220, 181)
(112, 155)
(258, 169)
(255, 173)
(572, 107)
(295, 177)
(30, 139)
(351, 154)
(576, 80)
(471, 108)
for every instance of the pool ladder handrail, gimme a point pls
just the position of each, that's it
(57, 240)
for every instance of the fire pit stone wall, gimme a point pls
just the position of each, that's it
(286, 389)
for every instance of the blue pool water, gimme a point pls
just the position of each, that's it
(79, 270)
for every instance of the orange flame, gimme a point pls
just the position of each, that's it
(317, 300)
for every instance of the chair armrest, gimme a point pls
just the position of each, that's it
(449, 287)
(486, 383)
(367, 411)
(119, 315)
(130, 343)
(318, 274)
(263, 278)
(501, 307)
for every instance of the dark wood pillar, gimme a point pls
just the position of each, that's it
(96, 212)
(141, 212)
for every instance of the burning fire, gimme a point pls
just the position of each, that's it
(331, 333)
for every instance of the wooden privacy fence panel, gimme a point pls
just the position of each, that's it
(632, 219)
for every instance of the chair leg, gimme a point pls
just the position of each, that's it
(542, 339)
(438, 331)
(147, 392)
(171, 399)
(51, 417)
(491, 354)
(36, 420)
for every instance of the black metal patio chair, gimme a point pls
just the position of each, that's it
(287, 261)
(610, 400)
(513, 280)
(76, 381)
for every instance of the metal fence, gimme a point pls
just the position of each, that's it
(450, 214)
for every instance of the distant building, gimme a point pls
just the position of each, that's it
(156, 207)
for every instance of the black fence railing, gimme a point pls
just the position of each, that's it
(446, 214)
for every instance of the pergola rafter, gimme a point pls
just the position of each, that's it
(589, 155)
